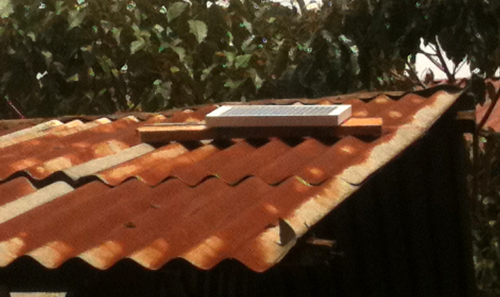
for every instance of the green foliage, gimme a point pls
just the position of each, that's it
(96, 57)
(369, 44)
(486, 224)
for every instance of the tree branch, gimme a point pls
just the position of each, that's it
(489, 111)
(302, 5)
(414, 76)
(436, 63)
(440, 56)
(13, 107)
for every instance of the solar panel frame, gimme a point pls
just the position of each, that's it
(278, 116)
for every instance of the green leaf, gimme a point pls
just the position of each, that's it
(175, 10)
(73, 78)
(233, 84)
(199, 29)
(75, 18)
(115, 72)
(242, 61)
(230, 56)
(116, 34)
(257, 80)
(206, 72)
(136, 45)
(32, 36)
(6, 8)
(181, 52)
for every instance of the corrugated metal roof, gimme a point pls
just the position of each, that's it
(493, 122)
(94, 191)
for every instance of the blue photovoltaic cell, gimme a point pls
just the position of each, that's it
(249, 111)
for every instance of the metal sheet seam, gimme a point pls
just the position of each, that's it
(32, 130)
(34, 200)
(94, 166)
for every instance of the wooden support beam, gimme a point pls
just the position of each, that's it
(158, 133)
(321, 242)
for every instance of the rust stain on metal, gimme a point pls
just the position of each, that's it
(116, 175)
(493, 121)
(204, 202)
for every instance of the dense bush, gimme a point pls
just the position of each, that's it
(486, 225)
(95, 57)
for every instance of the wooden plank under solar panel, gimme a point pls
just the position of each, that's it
(166, 132)
(278, 116)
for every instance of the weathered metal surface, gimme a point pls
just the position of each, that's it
(93, 166)
(44, 155)
(201, 201)
(493, 121)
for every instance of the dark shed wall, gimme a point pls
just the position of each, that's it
(404, 233)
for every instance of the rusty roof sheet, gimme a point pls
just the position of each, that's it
(493, 121)
(92, 190)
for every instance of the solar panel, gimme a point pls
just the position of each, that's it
(278, 115)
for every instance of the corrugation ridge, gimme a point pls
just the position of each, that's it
(49, 138)
(256, 262)
(52, 253)
(291, 161)
(186, 115)
(309, 170)
(32, 200)
(6, 130)
(234, 172)
(37, 128)
(389, 146)
(104, 212)
(263, 251)
(64, 203)
(208, 249)
(19, 236)
(118, 174)
(80, 128)
(95, 165)
(114, 184)
(202, 174)
(378, 105)
(154, 175)
(264, 213)
(277, 203)
(65, 148)
(31, 133)
(414, 126)
(197, 211)
(403, 111)
(14, 189)
(334, 160)
(51, 162)
(50, 266)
